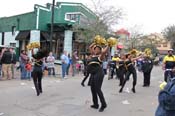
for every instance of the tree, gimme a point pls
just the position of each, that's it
(135, 35)
(106, 17)
(169, 33)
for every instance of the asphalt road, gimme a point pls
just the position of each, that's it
(68, 98)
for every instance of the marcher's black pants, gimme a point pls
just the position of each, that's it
(128, 73)
(96, 84)
(84, 79)
(147, 76)
(120, 74)
(113, 70)
(37, 78)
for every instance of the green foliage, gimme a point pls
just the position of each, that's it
(102, 25)
(169, 33)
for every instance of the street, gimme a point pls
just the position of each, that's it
(66, 97)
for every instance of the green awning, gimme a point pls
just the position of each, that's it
(23, 35)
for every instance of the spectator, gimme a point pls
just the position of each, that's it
(74, 61)
(64, 61)
(166, 99)
(1, 53)
(23, 58)
(28, 68)
(13, 61)
(50, 64)
(68, 67)
(105, 66)
(6, 64)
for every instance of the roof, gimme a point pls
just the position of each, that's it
(122, 31)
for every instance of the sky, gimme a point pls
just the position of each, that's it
(150, 15)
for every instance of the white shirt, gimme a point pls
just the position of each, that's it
(50, 62)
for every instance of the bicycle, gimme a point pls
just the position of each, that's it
(169, 75)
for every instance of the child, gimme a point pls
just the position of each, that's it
(105, 66)
(28, 68)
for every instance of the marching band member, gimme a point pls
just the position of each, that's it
(147, 66)
(130, 70)
(37, 72)
(121, 70)
(97, 75)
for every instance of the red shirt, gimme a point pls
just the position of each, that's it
(28, 67)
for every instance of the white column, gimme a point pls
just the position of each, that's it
(34, 37)
(68, 41)
(9, 38)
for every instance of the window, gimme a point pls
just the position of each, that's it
(159, 45)
(165, 45)
(13, 30)
(72, 17)
(13, 44)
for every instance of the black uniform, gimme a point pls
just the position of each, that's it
(121, 70)
(113, 69)
(37, 72)
(96, 80)
(147, 65)
(130, 70)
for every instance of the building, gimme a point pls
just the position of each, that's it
(162, 44)
(35, 26)
(123, 37)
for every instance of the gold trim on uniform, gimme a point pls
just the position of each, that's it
(128, 64)
(94, 63)
(100, 59)
(37, 64)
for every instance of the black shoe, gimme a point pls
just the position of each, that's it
(120, 90)
(94, 106)
(102, 108)
(145, 85)
(133, 90)
(38, 93)
(82, 84)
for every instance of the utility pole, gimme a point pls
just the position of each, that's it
(52, 22)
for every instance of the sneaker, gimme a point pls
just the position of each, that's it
(133, 90)
(82, 84)
(120, 90)
(65, 77)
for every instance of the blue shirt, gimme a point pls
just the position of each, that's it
(64, 59)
